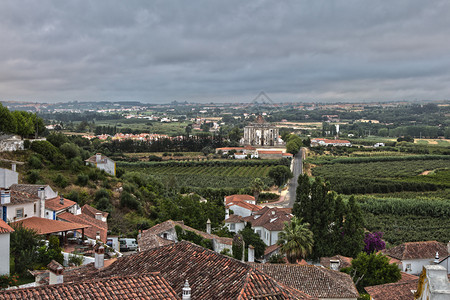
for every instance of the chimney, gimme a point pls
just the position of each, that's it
(56, 272)
(41, 195)
(97, 236)
(186, 291)
(448, 248)
(5, 196)
(251, 253)
(334, 264)
(436, 259)
(13, 167)
(208, 226)
(98, 157)
(98, 216)
(99, 257)
(61, 200)
(227, 214)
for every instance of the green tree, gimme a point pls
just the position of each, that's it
(293, 144)
(8, 123)
(252, 238)
(25, 124)
(235, 135)
(352, 237)
(257, 187)
(70, 150)
(296, 240)
(372, 269)
(50, 252)
(280, 175)
(24, 243)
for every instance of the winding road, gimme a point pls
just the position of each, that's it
(297, 169)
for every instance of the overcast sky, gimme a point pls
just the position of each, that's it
(160, 51)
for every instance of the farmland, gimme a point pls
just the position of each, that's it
(208, 174)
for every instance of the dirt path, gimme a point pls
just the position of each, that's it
(425, 172)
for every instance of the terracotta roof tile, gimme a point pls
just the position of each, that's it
(233, 198)
(234, 219)
(271, 249)
(210, 274)
(407, 277)
(95, 225)
(146, 286)
(271, 218)
(5, 228)
(91, 211)
(417, 250)
(393, 291)
(55, 203)
(344, 261)
(269, 152)
(20, 197)
(245, 205)
(28, 188)
(315, 281)
(150, 241)
(45, 226)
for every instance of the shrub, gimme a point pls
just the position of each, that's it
(44, 148)
(60, 181)
(33, 176)
(75, 259)
(70, 150)
(82, 180)
(34, 162)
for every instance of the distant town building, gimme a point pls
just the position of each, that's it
(316, 142)
(261, 133)
(9, 142)
(102, 162)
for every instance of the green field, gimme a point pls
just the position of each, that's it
(207, 174)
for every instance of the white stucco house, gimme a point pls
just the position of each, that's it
(241, 205)
(5, 231)
(10, 142)
(8, 177)
(433, 284)
(266, 222)
(102, 162)
(415, 255)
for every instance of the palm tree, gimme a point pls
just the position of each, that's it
(296, 240)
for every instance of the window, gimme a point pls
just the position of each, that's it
(165, 235)
(408, 267)
(35, 208)
(19, 213)
(258, 232)
(232, 226)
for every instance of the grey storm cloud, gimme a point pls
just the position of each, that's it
(159, 51)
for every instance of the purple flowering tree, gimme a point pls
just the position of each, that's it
(374, 242)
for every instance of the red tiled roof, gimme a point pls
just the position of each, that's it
(28, 188)
(393, 291)
(234, 198)
(89, 210)
(313, 280)
(21, 197)
(234, 219)
(269, 152)
(5, 228)
(150, 241)
(245, 205)
(344, 261)
(230, 148)
(417, 250)
(287, 154)
(333, 141)
(55, 204)
(95, 225)
(146, 286)
(271, 249)
(46, 226)
(271, 218)
(408, 277)
(210, 274)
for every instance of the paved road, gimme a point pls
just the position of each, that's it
(293, 183)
